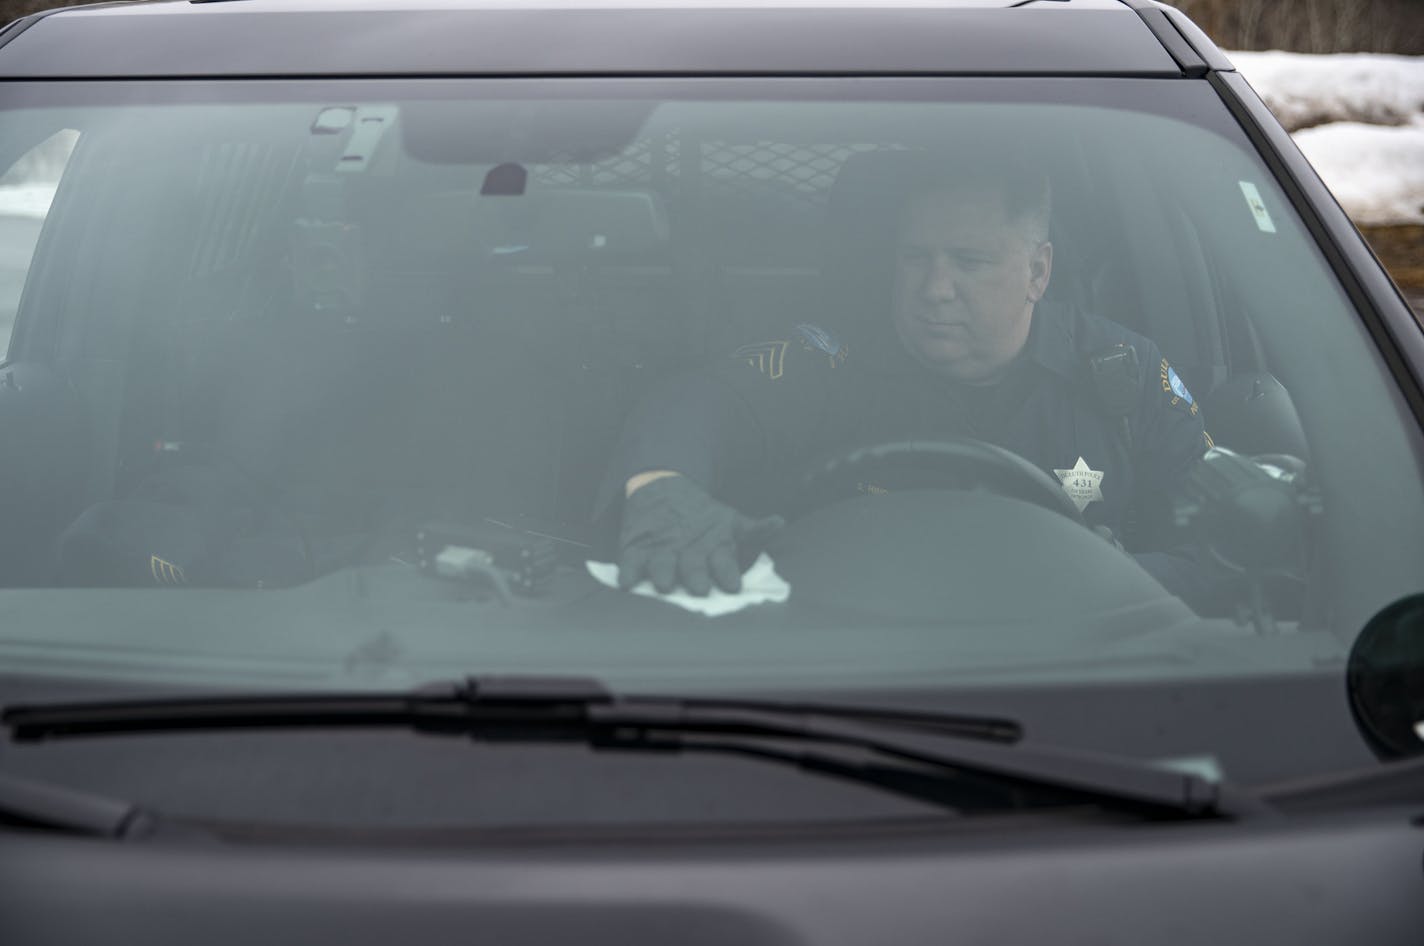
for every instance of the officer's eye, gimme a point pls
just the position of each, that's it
(909, 256)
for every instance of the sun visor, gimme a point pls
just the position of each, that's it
(525, 132)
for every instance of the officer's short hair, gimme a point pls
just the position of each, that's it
(1019, 180)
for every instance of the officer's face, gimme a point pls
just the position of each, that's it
(966, 281)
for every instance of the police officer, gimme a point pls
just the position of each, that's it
(972, 350)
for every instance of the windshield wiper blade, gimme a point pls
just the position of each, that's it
(432, 706)
(1103, 778)
(530, 709)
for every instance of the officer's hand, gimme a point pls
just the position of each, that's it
(674, 533)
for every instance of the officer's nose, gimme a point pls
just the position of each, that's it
(939, 284)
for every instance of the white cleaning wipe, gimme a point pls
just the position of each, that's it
(760, 583)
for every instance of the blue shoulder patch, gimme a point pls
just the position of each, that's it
(816, 339)
(819, 338)
(1176, 388)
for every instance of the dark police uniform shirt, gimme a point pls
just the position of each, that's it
(746, 428)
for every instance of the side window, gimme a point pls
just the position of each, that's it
(26, 190)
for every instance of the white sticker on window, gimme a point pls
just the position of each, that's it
(1258, 207)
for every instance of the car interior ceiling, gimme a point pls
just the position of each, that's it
(462, 355)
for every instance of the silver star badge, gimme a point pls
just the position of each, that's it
(1082, 485)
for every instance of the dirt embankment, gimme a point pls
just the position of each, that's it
(1401, 249)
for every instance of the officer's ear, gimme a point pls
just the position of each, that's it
(1040, 268)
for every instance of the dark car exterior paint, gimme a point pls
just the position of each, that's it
(1352, 876)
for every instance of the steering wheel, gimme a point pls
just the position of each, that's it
(959, 463)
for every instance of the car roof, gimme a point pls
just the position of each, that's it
(196, 38)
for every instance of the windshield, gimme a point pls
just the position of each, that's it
(912, 392)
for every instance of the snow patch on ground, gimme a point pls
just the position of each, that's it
(1359, 118)
(1304, 90)
(1376, 172)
